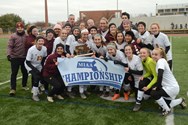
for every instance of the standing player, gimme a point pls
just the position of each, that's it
(33, 64)
(61, 39)
(167, 86)
(160, 39)
(120, 41)
(144, 36)
(103, 27)
(16, 55)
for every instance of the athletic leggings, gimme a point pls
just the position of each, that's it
(144, 83)
(157, 94)
(57, 83)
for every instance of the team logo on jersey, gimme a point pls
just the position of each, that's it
(39, 58)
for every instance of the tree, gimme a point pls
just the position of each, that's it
(8, 22)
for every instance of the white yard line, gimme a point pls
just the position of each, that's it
(170, 119)
(2, 83)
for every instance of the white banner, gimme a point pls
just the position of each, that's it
(90, 71)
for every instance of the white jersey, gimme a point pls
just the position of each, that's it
(119, 56)
(104, 33)
(134, 31)
(120, 46)
(162, 41)
(169, 83)
(76, 43)
(99, 50)
(70, 42)
(57, 41)
(135, 64)
(146, 37)
(35, 56)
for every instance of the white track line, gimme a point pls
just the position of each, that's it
(2, 83)
(170, 119)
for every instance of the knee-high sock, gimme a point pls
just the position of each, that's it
(81, 88)
(35, 90)
(163, 104)
(175, 102)
(101, 88)
(140, 95)
(107, 88)
(69, 88)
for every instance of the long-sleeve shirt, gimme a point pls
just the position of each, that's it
(50, 69)
(149, 67)
(30, 41)
(16, 46)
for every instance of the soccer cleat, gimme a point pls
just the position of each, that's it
(83, 96)
(136, 107)
(183, 104)
(12, 92)
(35, 98)
(106, 94)
(116, 96)
(50, 99)
(100, 93)
(87, 93)
(71, 95)
(41, 87)
(60, 97)
(126, 95)
(165, 113)
(25, 88)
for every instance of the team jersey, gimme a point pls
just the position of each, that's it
(120, 46)
(100, 51)
(57, 41)
(162, 41)
(149, 67)
(134, 31)
(146, 37)
(70, 42)
(119, 56)
(35, 56)
(135, 64)
(76, 43)
(104, 33)
(169, 83)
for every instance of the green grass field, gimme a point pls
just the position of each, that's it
(21, 110)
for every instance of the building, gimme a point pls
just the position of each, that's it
(98, 14)
(172, 9)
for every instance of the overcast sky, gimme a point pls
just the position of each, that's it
(33, 10)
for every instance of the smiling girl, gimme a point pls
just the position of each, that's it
(167, 87)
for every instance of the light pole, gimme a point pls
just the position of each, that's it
(67, 8)
(46, 14)
(117, 4)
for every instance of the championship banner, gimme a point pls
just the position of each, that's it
(90, 71)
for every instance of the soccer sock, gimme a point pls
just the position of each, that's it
(107, 89)
(101, 88)
(81, 88)
(175, 102)
(163, 104)
(69, 88)
(139, 96)
(35, 90)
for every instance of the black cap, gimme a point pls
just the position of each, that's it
(130, 33)
(50, 31)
